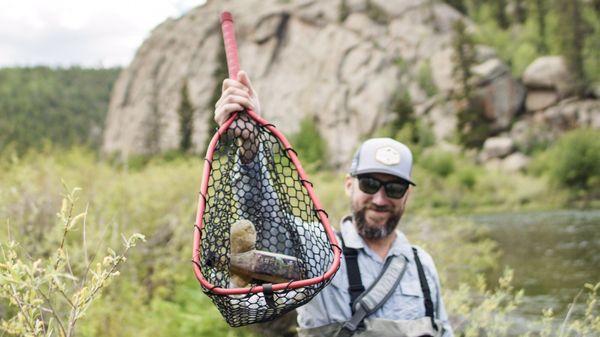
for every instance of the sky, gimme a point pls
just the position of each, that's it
(100, 33)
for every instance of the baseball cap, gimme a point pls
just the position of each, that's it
(383, 155)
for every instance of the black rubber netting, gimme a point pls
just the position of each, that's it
(252, 177)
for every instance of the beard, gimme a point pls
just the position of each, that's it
(372, 232)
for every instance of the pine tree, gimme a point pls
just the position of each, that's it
(520, 10)
(473, 128)
(541, 9)
(500, 13)
(459, 5)
(153, 123)
(186, 120)
(464, 56)
(572, 35)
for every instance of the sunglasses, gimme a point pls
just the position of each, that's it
(394, 189)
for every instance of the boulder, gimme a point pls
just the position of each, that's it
(542, 127)
(496, 147)
(569, 114)
(502, 98)
(488, 71)
(540, 99)
(500, 95)
(549, 72)
(485, 53)
(515, 162)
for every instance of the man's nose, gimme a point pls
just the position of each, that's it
(380, 198)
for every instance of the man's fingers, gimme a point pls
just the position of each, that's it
(229, 83)
(245, 80)
(243, 101)
(231, 91)
(225, 110)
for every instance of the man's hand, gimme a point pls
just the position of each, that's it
(236, 96)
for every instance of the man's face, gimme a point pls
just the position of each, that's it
(375, 215)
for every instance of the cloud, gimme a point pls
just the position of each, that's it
(86, 33)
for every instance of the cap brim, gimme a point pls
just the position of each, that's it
(382, 170)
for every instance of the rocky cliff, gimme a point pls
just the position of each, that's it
(340, 62)
(336, 62)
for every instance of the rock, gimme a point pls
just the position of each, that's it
(356, 5)
(489, 71)
(540, 99)
(515, 162)
(266, 266)
(544, 126)
(573, 113)
(524, 135)
(493, 164)
(441, 70)
(549, 72)
(242, 236)
(361, 24)
(496, 147)
(502, 98)
(485, 53)
(395, 8)
(443, 120)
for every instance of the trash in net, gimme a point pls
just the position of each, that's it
(262, 243)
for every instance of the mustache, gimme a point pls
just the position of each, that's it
(379, 208)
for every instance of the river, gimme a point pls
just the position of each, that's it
(553, 254)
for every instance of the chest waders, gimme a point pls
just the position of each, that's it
(365, 302)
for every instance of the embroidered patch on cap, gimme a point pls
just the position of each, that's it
(387, 156)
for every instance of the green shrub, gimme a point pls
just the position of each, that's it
(402, 108)
(309, 144)
(573, 162)
(50, 294)
(467, 177)
(439, 162)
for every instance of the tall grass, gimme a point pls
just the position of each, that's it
(156, 293)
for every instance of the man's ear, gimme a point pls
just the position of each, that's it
(407, 195)
(348, 184)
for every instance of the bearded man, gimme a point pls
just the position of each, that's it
(385, 286)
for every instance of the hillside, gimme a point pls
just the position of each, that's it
(62, 106)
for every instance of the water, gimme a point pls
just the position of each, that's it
(552, 253)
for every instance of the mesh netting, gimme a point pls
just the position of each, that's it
(252, 177)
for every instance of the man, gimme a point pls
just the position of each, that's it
(378, 185)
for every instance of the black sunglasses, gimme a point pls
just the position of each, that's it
(394, 189)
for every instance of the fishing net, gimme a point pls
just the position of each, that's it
(252, 177)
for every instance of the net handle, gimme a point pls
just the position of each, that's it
(231, 50)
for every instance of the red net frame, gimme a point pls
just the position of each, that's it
(259, 302)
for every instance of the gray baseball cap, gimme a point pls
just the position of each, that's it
(383, 155)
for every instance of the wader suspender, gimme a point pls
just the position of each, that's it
(425, 288)
(363, 303)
